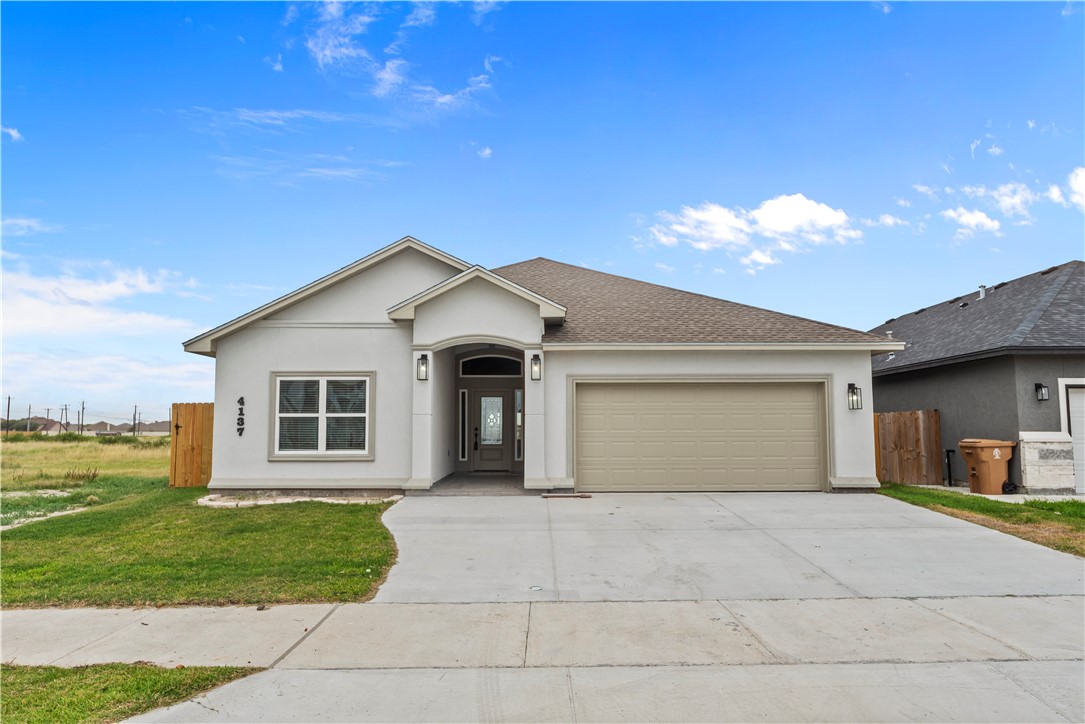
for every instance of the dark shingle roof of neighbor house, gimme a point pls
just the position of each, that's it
(1044, 311)
(608, 309)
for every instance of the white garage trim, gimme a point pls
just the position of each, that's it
(823, 384)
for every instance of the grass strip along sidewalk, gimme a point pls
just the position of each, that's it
(1059, 525)
(158, 548)
(101, 693)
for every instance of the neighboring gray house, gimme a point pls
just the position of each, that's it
(411, 365)
(1007, 362)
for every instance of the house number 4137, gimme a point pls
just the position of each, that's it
(240, 416)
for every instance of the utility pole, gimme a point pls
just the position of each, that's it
(28, 418)
(139, 423)
(8, 418)
(134, 408)
(82, 415)
(64, 418)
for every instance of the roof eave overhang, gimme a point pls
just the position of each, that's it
(205, 343)
(872, 347)
(550, 311)
(984, 354)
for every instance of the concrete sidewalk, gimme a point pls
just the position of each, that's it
(1027, 691)
(850, 659)
(558, 634)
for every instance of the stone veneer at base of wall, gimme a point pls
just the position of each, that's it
(1047, 466)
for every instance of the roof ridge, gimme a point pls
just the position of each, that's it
(695, 294)
(1069, 264)
(1018, 335)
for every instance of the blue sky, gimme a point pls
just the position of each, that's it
(168, 166)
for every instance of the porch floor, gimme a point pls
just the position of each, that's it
(477, 484)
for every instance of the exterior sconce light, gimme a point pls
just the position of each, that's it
(855, 397)
(536, 367)
(423, 367)
(1042, 393)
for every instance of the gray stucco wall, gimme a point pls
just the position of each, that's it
(1047, 369)
(974, 399)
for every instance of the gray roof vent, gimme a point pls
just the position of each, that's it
(983, 291)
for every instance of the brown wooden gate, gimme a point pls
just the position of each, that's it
(908, 447)
(190, 451)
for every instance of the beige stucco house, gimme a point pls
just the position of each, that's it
(410, 365)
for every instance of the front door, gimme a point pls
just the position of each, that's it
(491, 447)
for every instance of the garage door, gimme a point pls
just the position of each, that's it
(699, 436)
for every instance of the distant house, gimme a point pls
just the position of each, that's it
(103, 428)
(1007, 362)
(151, 429)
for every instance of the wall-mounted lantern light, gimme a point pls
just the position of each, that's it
(1042, 393)
(423, 367)
(536, 367)
(855, 397)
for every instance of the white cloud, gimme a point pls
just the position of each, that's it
(885, 7)
(886, 220)
(70, 304)
(429, 95)
(13, 133)
(25, 226)
(390, 77)
(241, 39)
(421, 15)
(969, 222)
(665, 268)
(1077, 187)
(705, 227)
(787, 223)
(927, 191)
(125, 379)
(1031, 125)
(904, 203)
(1054, 193)
(718, 270)
(479, 10)
(277, 64)
(333, 40)
(795, 215)
(489, 61)
(485, 152)
(973, 146)
(1014, 199)
(995, 150)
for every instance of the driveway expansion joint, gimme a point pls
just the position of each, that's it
(304, 636)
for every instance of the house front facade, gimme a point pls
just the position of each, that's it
(411, 365)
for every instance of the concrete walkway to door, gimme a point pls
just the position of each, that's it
(691, 547)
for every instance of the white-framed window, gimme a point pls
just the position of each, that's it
(322, 415)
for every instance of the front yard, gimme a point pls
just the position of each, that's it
(1059, 525)
(143, 543)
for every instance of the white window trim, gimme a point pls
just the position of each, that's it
(274, 453)
(1064, 410)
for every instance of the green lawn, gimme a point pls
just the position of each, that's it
(28, 463)
(103, 693)
(1059, 525)
(157, 547)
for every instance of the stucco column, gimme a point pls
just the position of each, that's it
(534, 425)
(422, 424)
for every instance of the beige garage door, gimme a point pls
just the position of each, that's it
(699, 436)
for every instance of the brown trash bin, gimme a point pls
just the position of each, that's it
(988, 464)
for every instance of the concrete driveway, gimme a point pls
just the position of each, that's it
(692, 547)
(738, 607)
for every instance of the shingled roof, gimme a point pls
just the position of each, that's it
(608, 309)
(1044, 311)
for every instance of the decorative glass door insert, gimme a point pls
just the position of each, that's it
(492, 423)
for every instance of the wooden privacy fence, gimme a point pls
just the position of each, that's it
(190, 451)
(908, 447)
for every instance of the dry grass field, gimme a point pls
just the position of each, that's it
(34, 464)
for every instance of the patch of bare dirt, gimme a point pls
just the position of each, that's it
(1046, 533)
